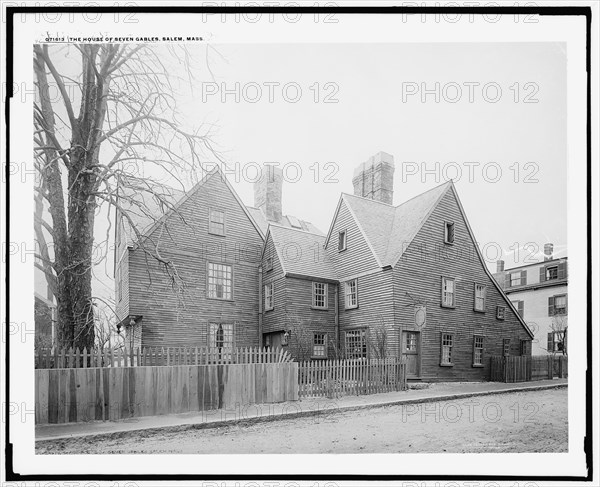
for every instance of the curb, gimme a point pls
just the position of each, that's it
(152, 430)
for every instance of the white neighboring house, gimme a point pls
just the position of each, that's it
(539, 292)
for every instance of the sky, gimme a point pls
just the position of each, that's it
(492, 117)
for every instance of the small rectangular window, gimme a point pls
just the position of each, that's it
(319, 345)
(560, 304)
(447, 344)
(216, 222)
(515, 279)
(524, 347)
(506, 347)
(269, 296)
(319, 295)
(500, 312)
(448, 292)
(269, 264)
(448, 232)
(478, 350)
(551, 273)
(480, 297)
(519, 306)
(342, 240)
(351, 293)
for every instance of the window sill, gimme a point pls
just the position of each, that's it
(217, 234)
(477, 366)
(318, 357)
(342, 250)
(446, 365)
(268, 309)
(448, 243)
(482, 311)
(447, 306)
(318, 308)
(351, 307)
(220, 299)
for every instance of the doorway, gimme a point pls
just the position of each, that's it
(411, 350)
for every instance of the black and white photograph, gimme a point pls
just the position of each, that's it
(300, 244)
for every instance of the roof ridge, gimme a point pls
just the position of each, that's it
(424, 193)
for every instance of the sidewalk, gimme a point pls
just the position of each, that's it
(268, 412)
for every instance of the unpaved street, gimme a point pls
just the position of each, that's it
(517, 422)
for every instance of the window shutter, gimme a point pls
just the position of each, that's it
(551, 306)
(522, 308)
(562, 270)
(550, 345)
(507, 280)
(542, 274)
(566, 304)
(523, 278)
(441, 347)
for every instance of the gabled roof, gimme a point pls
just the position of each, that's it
(388, 230)
(300, 252)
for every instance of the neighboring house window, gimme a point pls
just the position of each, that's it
(269, 296)
(220, 281)
(479, 297)
(506, 346)
(319, 295)
(515, 279)
(351, 293)
(356, 343)
(478, 350)
(220, 337)
(216, 223)
(448, 232)
(446, 352)
(269, 264)
(342, 240)
(319, 345)
(448, 291)
(500, 312)
(557, 305)
(551, 273)
(520, 307)
(556, 341)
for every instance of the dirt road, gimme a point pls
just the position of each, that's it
(518, 422)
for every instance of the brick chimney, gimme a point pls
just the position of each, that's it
(374, 178)
(499, 266)
(548, 251)
(268, 191)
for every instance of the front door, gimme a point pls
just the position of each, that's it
(410, 353)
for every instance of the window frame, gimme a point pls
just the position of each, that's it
(208, 296)
(547, 269)
(500, 316)
(325, 295)
(210, 222)
(324, 345)
(556, 313)
(450, 363)
(345, 240)
(484, 287)
(449, 236)
(443, 304)
(506, 347)
(362, 334)
(475, 348)
(516, 305)
(271, 294)
(346, 294)
(227, 351)
(268, 264)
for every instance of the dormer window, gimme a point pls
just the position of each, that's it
(342, 241)
(449, 232)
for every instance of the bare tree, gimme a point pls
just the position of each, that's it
(114, 126)
(560, 327)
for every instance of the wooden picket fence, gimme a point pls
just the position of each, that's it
(336, 378)
(526, 368)
(155, 356)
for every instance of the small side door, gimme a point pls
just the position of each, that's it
(411, 348)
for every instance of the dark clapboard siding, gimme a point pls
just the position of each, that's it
(357, 257)
(170, 321)
(419, 273)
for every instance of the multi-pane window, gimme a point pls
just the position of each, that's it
(447, 344)
(216, 222)
(479, 297)
(477, 350)
(351, 293)
(506, 346)
(269, 296)
(515, 278)
(220, 338)
(448, 291)
(551, 273)
(356, 343)
(560, 305)
(319, 345)
(519, 306)
(319, 295)
(500, 312)
(410, 341)
(220, 281)
(449, 232)
(342, 240)
(269, 264)
(556, 341)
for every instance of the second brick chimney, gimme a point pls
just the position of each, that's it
(374, 178)
(268, 192)
(548, 251)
